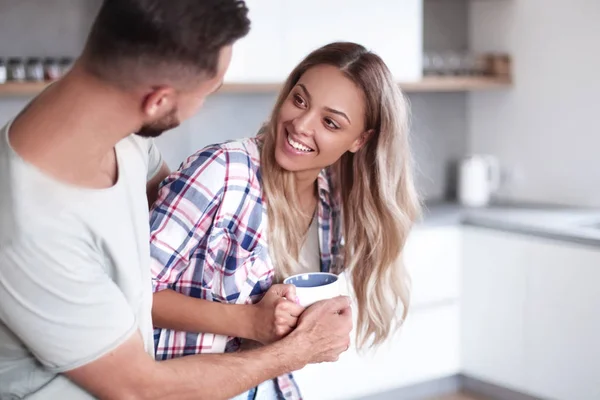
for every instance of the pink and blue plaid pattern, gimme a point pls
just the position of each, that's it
(208, 239)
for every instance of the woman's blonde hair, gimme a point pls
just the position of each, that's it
(374, 186)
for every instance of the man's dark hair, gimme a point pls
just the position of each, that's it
(162, 38)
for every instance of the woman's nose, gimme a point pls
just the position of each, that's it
(304, 124)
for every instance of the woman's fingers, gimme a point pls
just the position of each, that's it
(288, 307)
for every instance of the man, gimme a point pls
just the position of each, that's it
(75, 289)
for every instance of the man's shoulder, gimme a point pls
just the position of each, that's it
(35, 251)
(34, 207)
(135, 146)
(7, 183)
(27, 203)
(41, 224)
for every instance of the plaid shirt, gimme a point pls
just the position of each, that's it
(209, 240)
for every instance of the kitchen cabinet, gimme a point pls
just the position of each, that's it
(392, 29)
(433, 260)
(529, 311)
(493, 287)
(425, 348)
(284, 32)
(562, 346)
(258, 57)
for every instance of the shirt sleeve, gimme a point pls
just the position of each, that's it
(155, 159)
(56, 297)
(184, 213)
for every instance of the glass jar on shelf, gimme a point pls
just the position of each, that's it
(484, 65)
(65, 65)
(427, 65)
(52, 70)
(451, 62)
(16, 70)
(467, 63)
(34, 70)
(2, 71)
(437, 64)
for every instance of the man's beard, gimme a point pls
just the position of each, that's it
(156, 128)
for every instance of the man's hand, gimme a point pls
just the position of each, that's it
(276, 315)
(323, 331)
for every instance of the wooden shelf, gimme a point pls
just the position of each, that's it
(456, 84)
(21, 89)
(427, 84)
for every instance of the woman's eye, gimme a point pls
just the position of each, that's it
(331, 123)
(299, 100)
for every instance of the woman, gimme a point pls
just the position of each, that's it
(325, 186)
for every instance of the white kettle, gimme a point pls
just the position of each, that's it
(479, 178)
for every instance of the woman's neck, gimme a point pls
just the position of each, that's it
(306, 190)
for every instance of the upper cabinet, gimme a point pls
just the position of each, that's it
(257, 58)
(283, 33)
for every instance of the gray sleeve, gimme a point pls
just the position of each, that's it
(155, 159)
(57, 299)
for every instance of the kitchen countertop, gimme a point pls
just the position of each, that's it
(571, 224)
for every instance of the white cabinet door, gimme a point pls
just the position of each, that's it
(562, 337)
(492, 304)
(393, 29)
(529, 314)
(425, 349)
(258, 57)
(433, 258)
(284, 32)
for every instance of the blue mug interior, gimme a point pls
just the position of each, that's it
(313, 279)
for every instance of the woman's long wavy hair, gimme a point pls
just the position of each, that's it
(374, 186)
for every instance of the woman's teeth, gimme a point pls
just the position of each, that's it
(298, 146)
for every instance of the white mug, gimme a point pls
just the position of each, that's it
(314, 286)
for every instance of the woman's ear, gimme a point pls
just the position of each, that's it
(361, 140)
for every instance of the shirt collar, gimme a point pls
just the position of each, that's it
(324, 185)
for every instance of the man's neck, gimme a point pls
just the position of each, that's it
(70, 129)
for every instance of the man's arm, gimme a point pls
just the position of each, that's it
(152, 185)
(157, 171)
(129, 373)
(90, 332)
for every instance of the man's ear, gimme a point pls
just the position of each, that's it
(361, 140)
(158, 102)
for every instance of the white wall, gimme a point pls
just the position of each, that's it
(546, 129)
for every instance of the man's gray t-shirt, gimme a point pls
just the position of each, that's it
(74, 270)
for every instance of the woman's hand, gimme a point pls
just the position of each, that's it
(276, 315)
